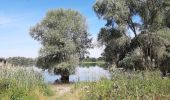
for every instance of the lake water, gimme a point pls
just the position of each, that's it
(82, 74)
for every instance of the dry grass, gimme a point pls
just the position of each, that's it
(66, 92)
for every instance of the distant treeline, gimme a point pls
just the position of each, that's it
(21, 61)
(88, 62)
(89, 59)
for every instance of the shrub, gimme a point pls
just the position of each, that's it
(165, 64)
(132, 61)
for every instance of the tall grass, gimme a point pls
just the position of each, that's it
(19, 83)
(128, 86)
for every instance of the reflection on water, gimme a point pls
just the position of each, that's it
(89, 74)
(92, 73)
(93, 64)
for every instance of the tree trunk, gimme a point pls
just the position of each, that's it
(64, 79)
(64, 76)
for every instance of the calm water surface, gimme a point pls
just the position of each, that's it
(82, 74)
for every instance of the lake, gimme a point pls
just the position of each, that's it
(82, 74)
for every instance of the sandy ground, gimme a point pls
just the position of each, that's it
(60, 90)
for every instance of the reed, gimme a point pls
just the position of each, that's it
(22, 83)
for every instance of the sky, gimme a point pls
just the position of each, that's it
(17, 16)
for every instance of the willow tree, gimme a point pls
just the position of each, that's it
(145, 38)
(64, 38)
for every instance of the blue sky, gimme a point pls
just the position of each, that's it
(17, 16)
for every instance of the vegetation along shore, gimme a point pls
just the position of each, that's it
(122, 53)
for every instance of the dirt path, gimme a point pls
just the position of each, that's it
(60, 90)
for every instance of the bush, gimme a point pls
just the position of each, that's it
(132, 61)
(165, 64)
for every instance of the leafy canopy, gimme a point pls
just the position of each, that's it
(151, 33)
(64, 38)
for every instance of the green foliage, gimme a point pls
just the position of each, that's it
(92, 64)
(100, 58)
(88, 59)
(165, 64)
(167, 20)
(91, 59)
(64, 38)
(151, 33)
(87, 62)
(21, 61)
(131, 86)
(116, 48)
(132, 61)
(18, 83)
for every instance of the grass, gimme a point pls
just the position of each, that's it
(124, 86)
(18, 83)
(145, 85)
